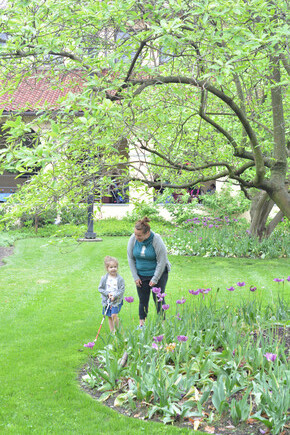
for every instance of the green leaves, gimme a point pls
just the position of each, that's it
(176, 385)
(111, 372)
(219, 397)
(197, 49)
(241, 409)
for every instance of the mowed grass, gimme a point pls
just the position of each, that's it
(50, 307)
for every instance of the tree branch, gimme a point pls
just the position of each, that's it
(202, 84)
(285, 63)
(214, 124)
(274, 222)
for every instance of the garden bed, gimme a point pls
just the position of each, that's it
(222, 377)
(223, 426)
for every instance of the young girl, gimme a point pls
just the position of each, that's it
(112, 287)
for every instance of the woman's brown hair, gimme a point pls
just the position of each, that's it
(142, 224)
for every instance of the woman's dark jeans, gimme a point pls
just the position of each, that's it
(144, 294)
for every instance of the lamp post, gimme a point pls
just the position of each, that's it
(90, 233)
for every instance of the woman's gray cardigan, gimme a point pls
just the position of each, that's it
(161, 257)
(118, 295)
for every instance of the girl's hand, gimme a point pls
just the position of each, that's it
(111, 297)
(138, 282)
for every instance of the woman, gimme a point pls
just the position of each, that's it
(149, 265)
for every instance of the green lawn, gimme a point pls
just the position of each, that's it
(50, 307)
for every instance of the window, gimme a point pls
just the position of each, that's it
(118, 193)
(3, 39)
(122, 38)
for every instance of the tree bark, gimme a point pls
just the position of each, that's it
(261, 208)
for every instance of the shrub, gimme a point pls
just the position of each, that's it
(74, 214)
(46, 217)
(225, 203)
(105, 227)
(125, 227)
(142, 209)
(180, 210)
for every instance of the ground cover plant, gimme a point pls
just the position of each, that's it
(102, 227)
(204, 364)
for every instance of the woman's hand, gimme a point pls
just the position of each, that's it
(152, 283)
(138, 282)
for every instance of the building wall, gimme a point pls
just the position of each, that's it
(120, 211)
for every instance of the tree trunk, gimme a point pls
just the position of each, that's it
(261, 208)
(36, 223)
(277, 185)
(280, 195)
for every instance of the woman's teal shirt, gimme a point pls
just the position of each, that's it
(145, 256)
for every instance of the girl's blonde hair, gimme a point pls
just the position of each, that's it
(108, 259)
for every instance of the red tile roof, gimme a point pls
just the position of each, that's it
(37, 93)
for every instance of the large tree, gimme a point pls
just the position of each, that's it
(198, 88)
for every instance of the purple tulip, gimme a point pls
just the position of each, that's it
(210, 226)
(270, 356)
(156, 290)
(253, 289)
(288, 279)
(158, 338)
(161, 296)
(204, 291)
(90, 344)
(241, 284)
(165, 307)
(194, 292)
(182, 338)
(181, 301)
(154, 346)
(178, 316)
(129, 299)
(231, 289)
(278, 279)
